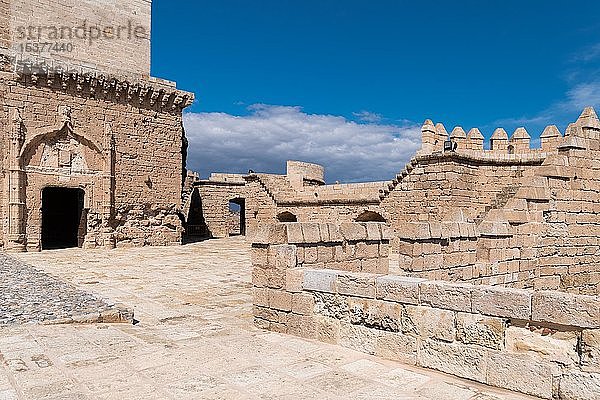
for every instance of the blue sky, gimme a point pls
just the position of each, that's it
(353, 79)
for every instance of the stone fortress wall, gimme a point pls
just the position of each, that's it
(94, 121)
(106, 36)
(485, 267)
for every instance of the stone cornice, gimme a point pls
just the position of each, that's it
(138, 92)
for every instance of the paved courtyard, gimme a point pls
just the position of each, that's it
(194, 339)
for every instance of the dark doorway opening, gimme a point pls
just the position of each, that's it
(196, 228)
(286, 216)
(62, 222)
(237, 217)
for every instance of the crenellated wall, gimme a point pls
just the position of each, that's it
(542, 343)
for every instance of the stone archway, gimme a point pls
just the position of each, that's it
(58, 157)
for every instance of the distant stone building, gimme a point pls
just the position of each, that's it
(93, 148)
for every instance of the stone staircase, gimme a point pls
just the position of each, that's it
(501, 199)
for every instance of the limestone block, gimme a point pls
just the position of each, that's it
(293, 279)
(397, 347)
(284, 256)
(334, 233)
(577, 385)
(521, 372)
(325, 254)
(327, 329)
(294, 233)
(302, 326)
(271, 234)
(359, 338)
(480, 330)
(450, 296)
(375, 314)
(400, 289)
(310, 232)
(260, 297)
(324, 232)
(303, 303)
(372, 266)
(356, 284)
(453, 358)
(323, 280)
(353, 231)
(259, 256)
(364, 250)
(560, 347)
(590, 350)
(428, 322)
(311, 254)
(502, 302)
(414, 230)
(373, 231)
(280, 300)
(566, 309)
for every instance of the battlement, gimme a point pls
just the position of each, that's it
(582, 134)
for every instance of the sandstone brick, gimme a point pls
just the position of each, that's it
(302, 326)
(446, 295)
(358, 338)
(590, 350)
(360, 285)
(427, 322)
(523, 373)
(320, 280)
(566, 309)
(454, 358)
(480, 330)
(577, 385)
(280, 300)
(398, 288)
(397, 347)
(303, 303)
(502, 302)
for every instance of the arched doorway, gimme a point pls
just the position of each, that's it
(237, 217)
(286, 216)
(196, 226)
(64, 220)
(370, 216)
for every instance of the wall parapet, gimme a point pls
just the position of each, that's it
(542, 343)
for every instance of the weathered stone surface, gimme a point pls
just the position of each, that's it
(397, 347)
(480, 330)
(502, 302)
(579, 386)
(590, 350)
(446, 295)
(303, 303)
(375, 314)
(426, 322)
(398, 288)
(566, 309)
(359, 338)
(560, 347)
(523, 373)
(361, 285)
(320, 280)
(454, 358)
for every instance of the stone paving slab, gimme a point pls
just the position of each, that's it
(28, 295)
(195, 339)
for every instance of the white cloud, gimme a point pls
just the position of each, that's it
(270, 135)
(367, 116)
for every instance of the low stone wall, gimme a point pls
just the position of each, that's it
(543, 343)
